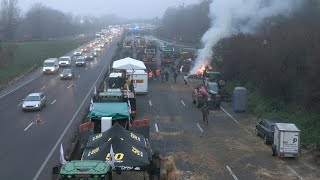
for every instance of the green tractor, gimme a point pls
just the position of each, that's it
(84, 170)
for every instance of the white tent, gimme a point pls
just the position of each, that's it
(128, 64)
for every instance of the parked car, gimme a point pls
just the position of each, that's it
(34, 101)
(80, 61)
(265, 129)
(67, 74)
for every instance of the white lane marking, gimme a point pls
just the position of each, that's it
(150, 103)
(43, 87)
(19, 87)
(172, 87)
(85, 68)
(20, 103)
(78, 76)
(67, 127)
(183, 103)
(58, 77)
(200, 127)
(294, 172)
(157, 129)
(28, 126)
(70, 85)
(247, 131)
(232, 174)
(54, 101)
(229, 115)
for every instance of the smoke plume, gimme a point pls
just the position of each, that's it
(229, 17)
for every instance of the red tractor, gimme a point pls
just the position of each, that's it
(206, 94)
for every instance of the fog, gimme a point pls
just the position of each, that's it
(125, 8)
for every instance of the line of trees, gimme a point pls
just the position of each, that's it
(42, 22)
(282, 60)
(185, 23)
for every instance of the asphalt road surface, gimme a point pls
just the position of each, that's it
(226, 148)
(29, 149)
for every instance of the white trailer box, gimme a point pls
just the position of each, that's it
(286, 140)
(140, 81)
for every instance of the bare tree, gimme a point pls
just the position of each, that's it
(10, 17)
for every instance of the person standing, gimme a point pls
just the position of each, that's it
(158, 72)
(205, 113)
(185, 79)
(175, 75)
(162, 76)
(167, 76)
(155, 164)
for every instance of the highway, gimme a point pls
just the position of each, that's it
(226, 148)
(29, 149)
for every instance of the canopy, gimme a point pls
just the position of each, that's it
(116, 130)
(128, 63)
(115, 110)
(127, 157)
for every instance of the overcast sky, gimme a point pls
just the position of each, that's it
(124, 8)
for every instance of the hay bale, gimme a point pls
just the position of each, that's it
(171, 172)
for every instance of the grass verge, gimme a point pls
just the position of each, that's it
(29, 54)
(261, 106)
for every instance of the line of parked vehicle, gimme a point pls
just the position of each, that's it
(36, 101)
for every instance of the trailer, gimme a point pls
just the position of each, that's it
(140, 80)
(286, 141)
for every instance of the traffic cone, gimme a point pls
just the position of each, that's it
(38, 119)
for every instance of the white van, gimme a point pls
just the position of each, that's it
(50, 65)
(65, 61)
(140, 81)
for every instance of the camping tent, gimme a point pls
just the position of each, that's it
(128, 63)
(116, 130)
(127, 156)
(115, 110)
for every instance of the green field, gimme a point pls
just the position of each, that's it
(261, 106)
(29, 54)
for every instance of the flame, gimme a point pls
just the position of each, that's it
(202, 69)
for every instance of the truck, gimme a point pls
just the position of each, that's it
(286, 141)
(167, 54)
(127, 49)
(116, 80)
(117, 95)
(149, 59)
